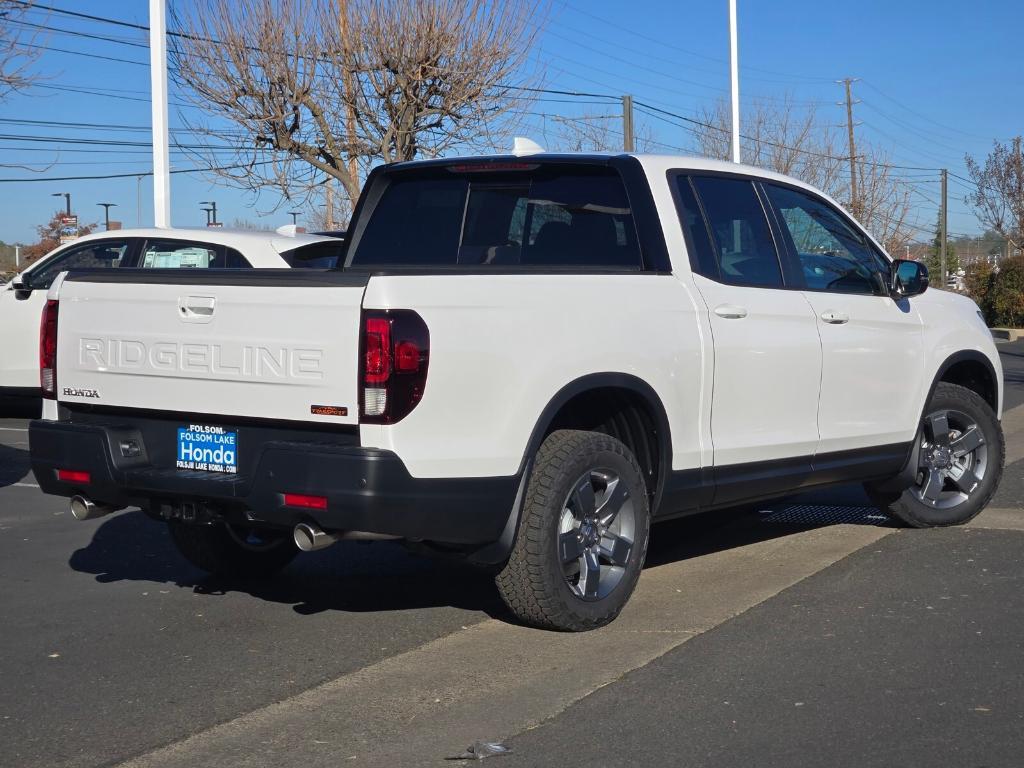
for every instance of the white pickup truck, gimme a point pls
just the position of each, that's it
(525, 360)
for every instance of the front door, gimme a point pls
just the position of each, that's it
(872, 346)
(21, 311)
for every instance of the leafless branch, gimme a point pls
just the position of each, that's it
(328, 88)
(998, 199)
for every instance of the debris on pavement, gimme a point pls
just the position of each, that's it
(478, 750)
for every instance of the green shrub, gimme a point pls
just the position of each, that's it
(1003, 301)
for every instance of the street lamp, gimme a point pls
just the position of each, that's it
(213, 209)
(106, 213)
(295, 217)
(67, 198)
(207, 211)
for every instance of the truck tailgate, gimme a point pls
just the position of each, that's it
(276, 344)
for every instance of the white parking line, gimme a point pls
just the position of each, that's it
(12, 429)
(24, 485)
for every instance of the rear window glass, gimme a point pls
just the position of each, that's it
(551, 216)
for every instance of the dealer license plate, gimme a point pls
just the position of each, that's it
(207, 448)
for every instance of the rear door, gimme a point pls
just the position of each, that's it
(767, 352)
(274, 344)
(873, 347)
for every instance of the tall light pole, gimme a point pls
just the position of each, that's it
(213, 210)
(67, 199)
(106, 213)
(158, 86)
(734, 70)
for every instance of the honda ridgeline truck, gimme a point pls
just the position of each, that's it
(524, 360)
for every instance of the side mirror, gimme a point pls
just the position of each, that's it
(909, 278)
(22, 289)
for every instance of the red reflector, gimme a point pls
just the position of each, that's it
(407, 357)
(302, 500)
(74, 476)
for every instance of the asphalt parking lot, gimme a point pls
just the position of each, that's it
(808, 633)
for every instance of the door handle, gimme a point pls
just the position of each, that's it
(196, 309)
(835, 318)
(731, 311)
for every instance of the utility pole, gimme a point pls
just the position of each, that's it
(106, 213)
(350, 109)
(943, 232)
(854, 198)
(158, 94)
(329, 192)
(627, 124)
(734, 71)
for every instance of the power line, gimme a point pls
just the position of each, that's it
(135, 175)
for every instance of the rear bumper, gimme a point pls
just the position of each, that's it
(367, 489)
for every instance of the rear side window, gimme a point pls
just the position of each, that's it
(317, 256)
(549, 216)
(180, 254)
(737, 232)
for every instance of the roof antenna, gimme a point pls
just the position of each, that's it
(523, 146)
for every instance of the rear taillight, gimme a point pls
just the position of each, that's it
(393, 364)
(48, 351)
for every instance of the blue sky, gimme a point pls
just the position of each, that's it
(937, 79)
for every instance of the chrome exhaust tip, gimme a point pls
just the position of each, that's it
(309, 537)
(83, 509)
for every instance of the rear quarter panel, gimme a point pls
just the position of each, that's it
(501, 347)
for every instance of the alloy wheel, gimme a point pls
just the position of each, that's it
(953, 459)
(596, 532)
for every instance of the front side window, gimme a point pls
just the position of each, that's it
(833, 255)
(99, 254)
(544, 216)
(179, 254)
(741, 240)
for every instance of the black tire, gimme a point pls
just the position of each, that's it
(911, 507)
(534, 583)
(235, 552)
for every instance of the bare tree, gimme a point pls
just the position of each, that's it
(998, 199)
(17, 46)
(780, 136)
(297, 91)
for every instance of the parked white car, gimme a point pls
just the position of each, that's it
(525, 360)
(22, 299)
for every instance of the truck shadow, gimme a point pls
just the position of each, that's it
(349, 577)
(14, 465)
(383, 576)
